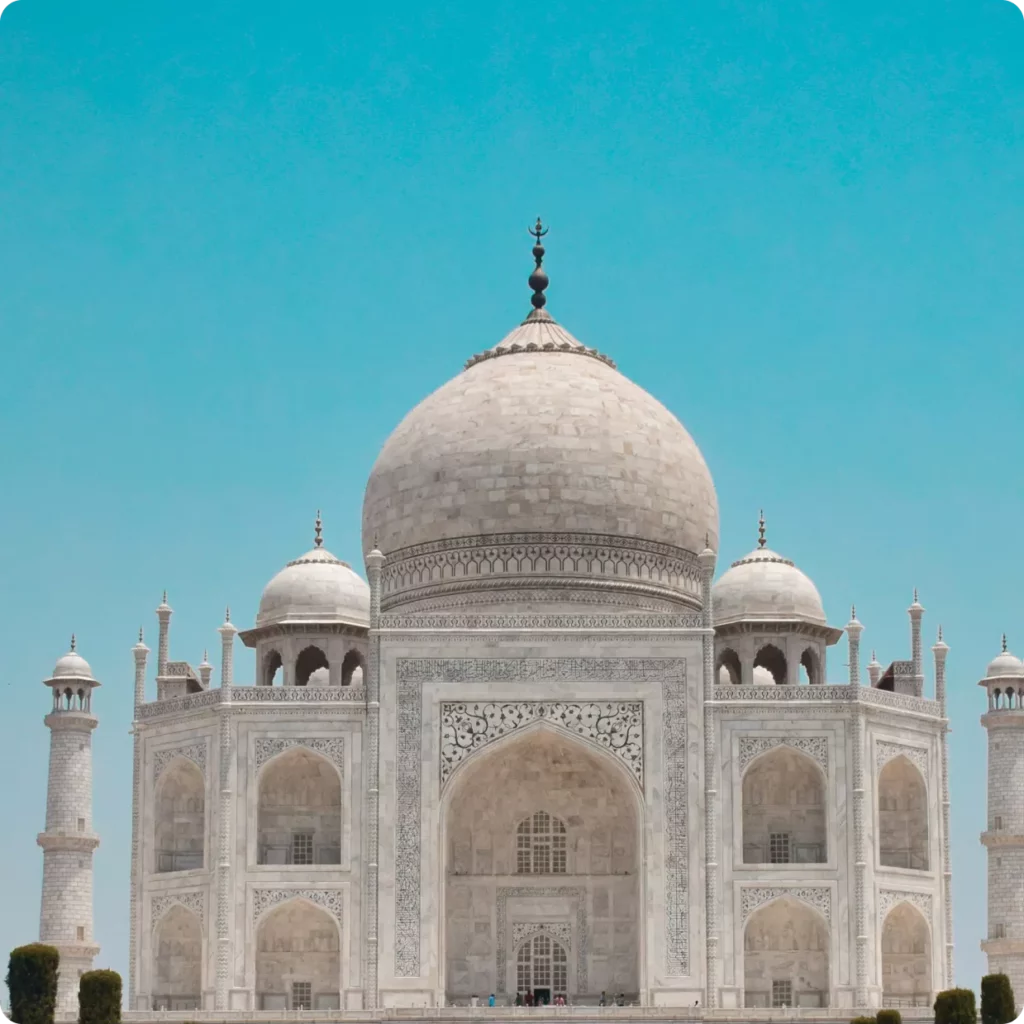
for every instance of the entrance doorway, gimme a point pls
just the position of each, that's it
(542, 967)
(542, 997)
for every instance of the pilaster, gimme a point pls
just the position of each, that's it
(140, 652)
(711, 896)
(860, 860)
(940, 650)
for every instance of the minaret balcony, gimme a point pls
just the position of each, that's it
(73, 842)
(1002, 947)
(1002, 839)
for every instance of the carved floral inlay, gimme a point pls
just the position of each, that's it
(332, 749)
(889, 898)
(265, 899)
(752, 747)
(819, 897)
(195, 901)
(194, 752)
(618, 726)
(886, 751)
(560, 930)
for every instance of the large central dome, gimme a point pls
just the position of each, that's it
(540, 467)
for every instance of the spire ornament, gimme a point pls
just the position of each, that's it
(1004, 643)
(74, 642)
(538, 279)
(760, 530)
(318, 539)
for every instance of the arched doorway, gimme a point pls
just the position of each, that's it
(541, 839)
(542, 968)
(180, 817)
(299, 812)
(178, 961)
(785, 956)
(784, 818)
(298, 959)
(906, 958)
(902, 816)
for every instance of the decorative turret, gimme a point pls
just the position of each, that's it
(1004, 837)
(68, 840)
(853, 632)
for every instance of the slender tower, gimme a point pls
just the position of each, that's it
(1004, 837)
(65, 920)
(853, 632)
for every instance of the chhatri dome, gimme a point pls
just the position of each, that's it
(1005, 664)
(763, 586)
(540, 440)
(72, 665)
(318, 587)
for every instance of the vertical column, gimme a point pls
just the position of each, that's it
(163, 614)
(939, 651)
(707, 565)
(140, 652)
(916, 612)
(374, 564)
(860, 860)
(225, 815)
(853, 632)
(874, 670)
(227, 651)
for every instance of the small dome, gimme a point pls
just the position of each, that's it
(72, 666)
(1005, 664)
(315, 588)
(764, 585)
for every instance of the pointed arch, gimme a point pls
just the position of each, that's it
(784, 809)
(786, 956)
(298, 957)
(311, 659)
(180, 818)
(810, 662)
(177, 968)
(298, 809)
(542, 966)
(353, 668)
(727, 668)
(272, 669)
(902, 815)
(773, 661)
(906, 957)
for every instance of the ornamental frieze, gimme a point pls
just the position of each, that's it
(194, 752)
(818, 897)
(333, 749)
(332, 900)
(194, 901)
(751, 747)
(889, 898)
(885, 752)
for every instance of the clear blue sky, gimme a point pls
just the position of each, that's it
(239, 241)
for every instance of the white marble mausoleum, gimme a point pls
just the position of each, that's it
(539, 749)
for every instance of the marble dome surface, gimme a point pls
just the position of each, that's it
(72, 666)
(765, 586)
(540, 435)
(315, 588)
(1005, 664)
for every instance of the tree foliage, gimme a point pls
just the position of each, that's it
(99, 998)
(32, 982)
(956, 1006)
(997, 1001)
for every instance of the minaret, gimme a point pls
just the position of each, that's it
(853, 632)
(68, 842)
(1004, 837)
(227, 650)
(205, 670)
(916, 613)
(874, 669)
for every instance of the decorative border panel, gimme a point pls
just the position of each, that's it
(886, 752)
(333, 749)
(573, 892)
(617, 726)
(194, 901)
(890, 898)
(195, 752)
(752, 747)
(625, 620)
(332, 900)
(560, 930)
(754, 896)
(412, 673)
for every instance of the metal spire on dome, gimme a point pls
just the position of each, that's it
(760, 531)
(318, 539)
(538, 279)
(74, 641)
(1004, 643)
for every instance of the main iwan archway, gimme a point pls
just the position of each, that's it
(542, 856)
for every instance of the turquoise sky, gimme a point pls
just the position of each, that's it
(239, 241)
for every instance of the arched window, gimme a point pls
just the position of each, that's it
(352, 669)
(906, 958)
(299, 815)
(273, 669)
(784, 810)
(542, 968)
(178, 961)
(785, 957)
(309, 661)
(180, 817)
(729, 668)
(298, 961)
(773, 661)
(541, 845)
(811, 667)
(902, 816)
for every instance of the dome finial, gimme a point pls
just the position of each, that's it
(74, 642)
(538, 279)
(1004, 643)
(140, 634)
(760, 530)
(318, 539)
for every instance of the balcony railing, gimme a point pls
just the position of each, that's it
(179, 860)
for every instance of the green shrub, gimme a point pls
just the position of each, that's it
(863, 1020)
(997, 1002)
(99, 998)
(889, 1017)
(32, 982)
(956, 1006)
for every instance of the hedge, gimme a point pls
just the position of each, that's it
(32, 983)
(99, 998)
(998, 1005)
(956, 1006)
(889, 1017)
(863, 1020)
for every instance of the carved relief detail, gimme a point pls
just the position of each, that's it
(819, 897)
(332, 749)
(195, 752)
(194, 901)
(886, 751)
(265, 899)
(752, 747)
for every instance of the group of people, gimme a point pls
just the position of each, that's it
(529, 1000)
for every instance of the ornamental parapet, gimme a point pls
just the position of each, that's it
(250, 695)
(826, 694)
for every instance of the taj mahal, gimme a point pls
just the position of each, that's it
(543, 746)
